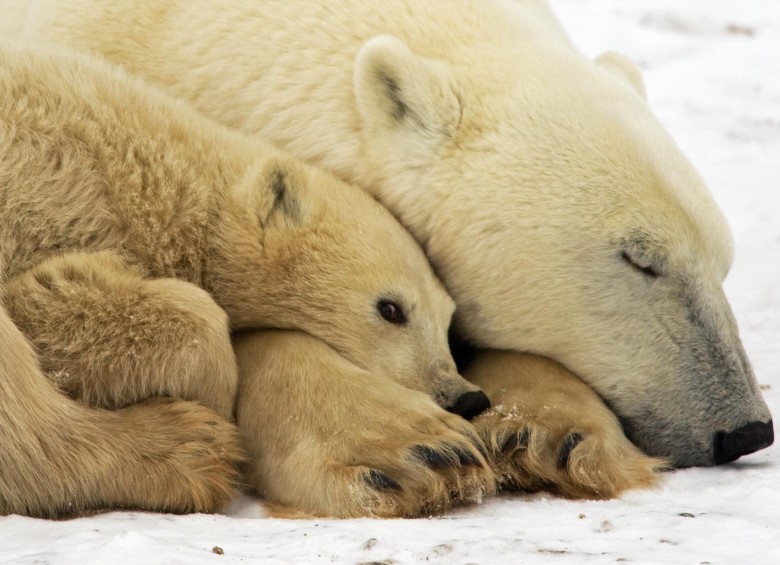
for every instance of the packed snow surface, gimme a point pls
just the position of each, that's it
(713, 78)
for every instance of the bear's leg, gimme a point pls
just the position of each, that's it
(548, 430)
(59, 458)
(327, 438)
(111, 338)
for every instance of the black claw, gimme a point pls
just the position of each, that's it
(477, 442)
(381, 481)
(466, 457)
(569, 443)
(432, 457)
(482, 449)
(515, 441)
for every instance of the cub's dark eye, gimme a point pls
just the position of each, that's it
(391, 312)
(644, 269)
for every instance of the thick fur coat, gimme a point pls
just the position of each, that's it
(560, 215)
(134, 236)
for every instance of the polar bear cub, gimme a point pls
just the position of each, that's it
(134, 236)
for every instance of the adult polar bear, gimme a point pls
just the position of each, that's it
(561, 216)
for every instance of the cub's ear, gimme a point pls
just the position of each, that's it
(623, 68)
(396, 89)
(275, 188)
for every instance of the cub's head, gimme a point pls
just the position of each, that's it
(564, 221)
(321, 256)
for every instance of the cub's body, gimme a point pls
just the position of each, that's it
(135, 234)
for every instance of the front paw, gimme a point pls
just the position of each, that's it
(405, 462)
(586, 457)
(426, 464)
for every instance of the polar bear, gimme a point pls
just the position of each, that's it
(134, 236)
(558, 212)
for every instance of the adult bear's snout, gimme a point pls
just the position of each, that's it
(753, 436)
(470, 404)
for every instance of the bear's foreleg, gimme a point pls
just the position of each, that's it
(547, 430)
(111, 338)
(59, 458)
(327, 438)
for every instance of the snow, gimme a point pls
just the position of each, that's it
(713, 78)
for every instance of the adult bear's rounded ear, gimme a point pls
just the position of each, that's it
(620, 66)
(275, 189)
(396, 89)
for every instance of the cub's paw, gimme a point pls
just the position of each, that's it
(426, 467)
(182, 457)
(394, 463)
(328, 438)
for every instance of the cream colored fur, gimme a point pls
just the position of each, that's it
(12, 21)
(134, 235)
(558, 212)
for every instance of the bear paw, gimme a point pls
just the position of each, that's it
(178, 457)
(408, 463)
(576, 458)
(427, 472)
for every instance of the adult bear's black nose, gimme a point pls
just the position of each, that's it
(470, 404)
(751, 437)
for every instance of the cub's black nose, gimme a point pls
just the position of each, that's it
(470, 404)
(751, 437)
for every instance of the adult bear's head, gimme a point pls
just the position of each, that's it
(565, 221)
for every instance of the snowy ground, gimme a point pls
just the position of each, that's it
(714, 79)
